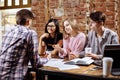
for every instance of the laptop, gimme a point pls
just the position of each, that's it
(113, 50)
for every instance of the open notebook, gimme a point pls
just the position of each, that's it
(113, 50)
(81, 61)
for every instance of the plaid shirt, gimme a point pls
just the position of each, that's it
(19, 46)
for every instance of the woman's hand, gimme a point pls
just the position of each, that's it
(57, 47)
(48, 56)
(71, 56)
(66, 36)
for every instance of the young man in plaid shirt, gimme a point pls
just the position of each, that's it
(19, 46)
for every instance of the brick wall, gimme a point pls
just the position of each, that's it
(79, 9)
(39, 10)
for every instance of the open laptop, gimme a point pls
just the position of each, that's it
(113, 50)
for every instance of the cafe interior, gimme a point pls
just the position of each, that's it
(61, 9)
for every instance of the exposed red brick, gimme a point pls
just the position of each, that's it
(99, 0)
(67, 5)
(109, 13)
(34, 3)
(110, 4)
(98, 4)
(111, 8)
(111, 0)
(100, 9)
(109, 22)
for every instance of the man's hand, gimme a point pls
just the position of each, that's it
(94, 56)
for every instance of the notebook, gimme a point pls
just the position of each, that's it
(113, 50)
(81, 61)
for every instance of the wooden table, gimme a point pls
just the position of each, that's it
(83, 73)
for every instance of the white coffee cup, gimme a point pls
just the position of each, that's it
(107, 65)
(88, 50)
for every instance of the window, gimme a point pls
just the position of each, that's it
(8, 9)
(9, 4)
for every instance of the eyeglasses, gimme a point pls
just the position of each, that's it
(50, 26)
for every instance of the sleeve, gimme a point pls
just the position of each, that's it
(33, 51)
(79, 44)
(115, 39)
(65, 47)
(59, 37)
(87, 43)
(89, 38)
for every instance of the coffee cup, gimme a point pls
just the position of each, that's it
(88, 50)
(107, 65)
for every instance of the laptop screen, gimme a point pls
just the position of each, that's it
(113, 50)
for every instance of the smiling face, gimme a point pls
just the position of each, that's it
(97, 20)
(51, 28)
(95, 25)
(67, 27)
(92, 25)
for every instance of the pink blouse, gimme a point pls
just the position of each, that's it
(74, 44)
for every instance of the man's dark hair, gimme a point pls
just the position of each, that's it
(98, 16)
(55, 21)
(22, 16)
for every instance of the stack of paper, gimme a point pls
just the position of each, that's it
(59, 63)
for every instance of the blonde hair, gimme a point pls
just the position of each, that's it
(74, 26)
(78, 27)
(82, 26)
(73, 23)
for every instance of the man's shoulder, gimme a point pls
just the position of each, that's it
(107, 30)
(91, 33)
(23, 31)
(27, 30)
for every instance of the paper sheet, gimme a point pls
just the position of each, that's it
(58, 63)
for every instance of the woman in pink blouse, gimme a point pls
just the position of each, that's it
(73, 41)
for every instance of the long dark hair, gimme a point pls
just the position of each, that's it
(55, 21)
